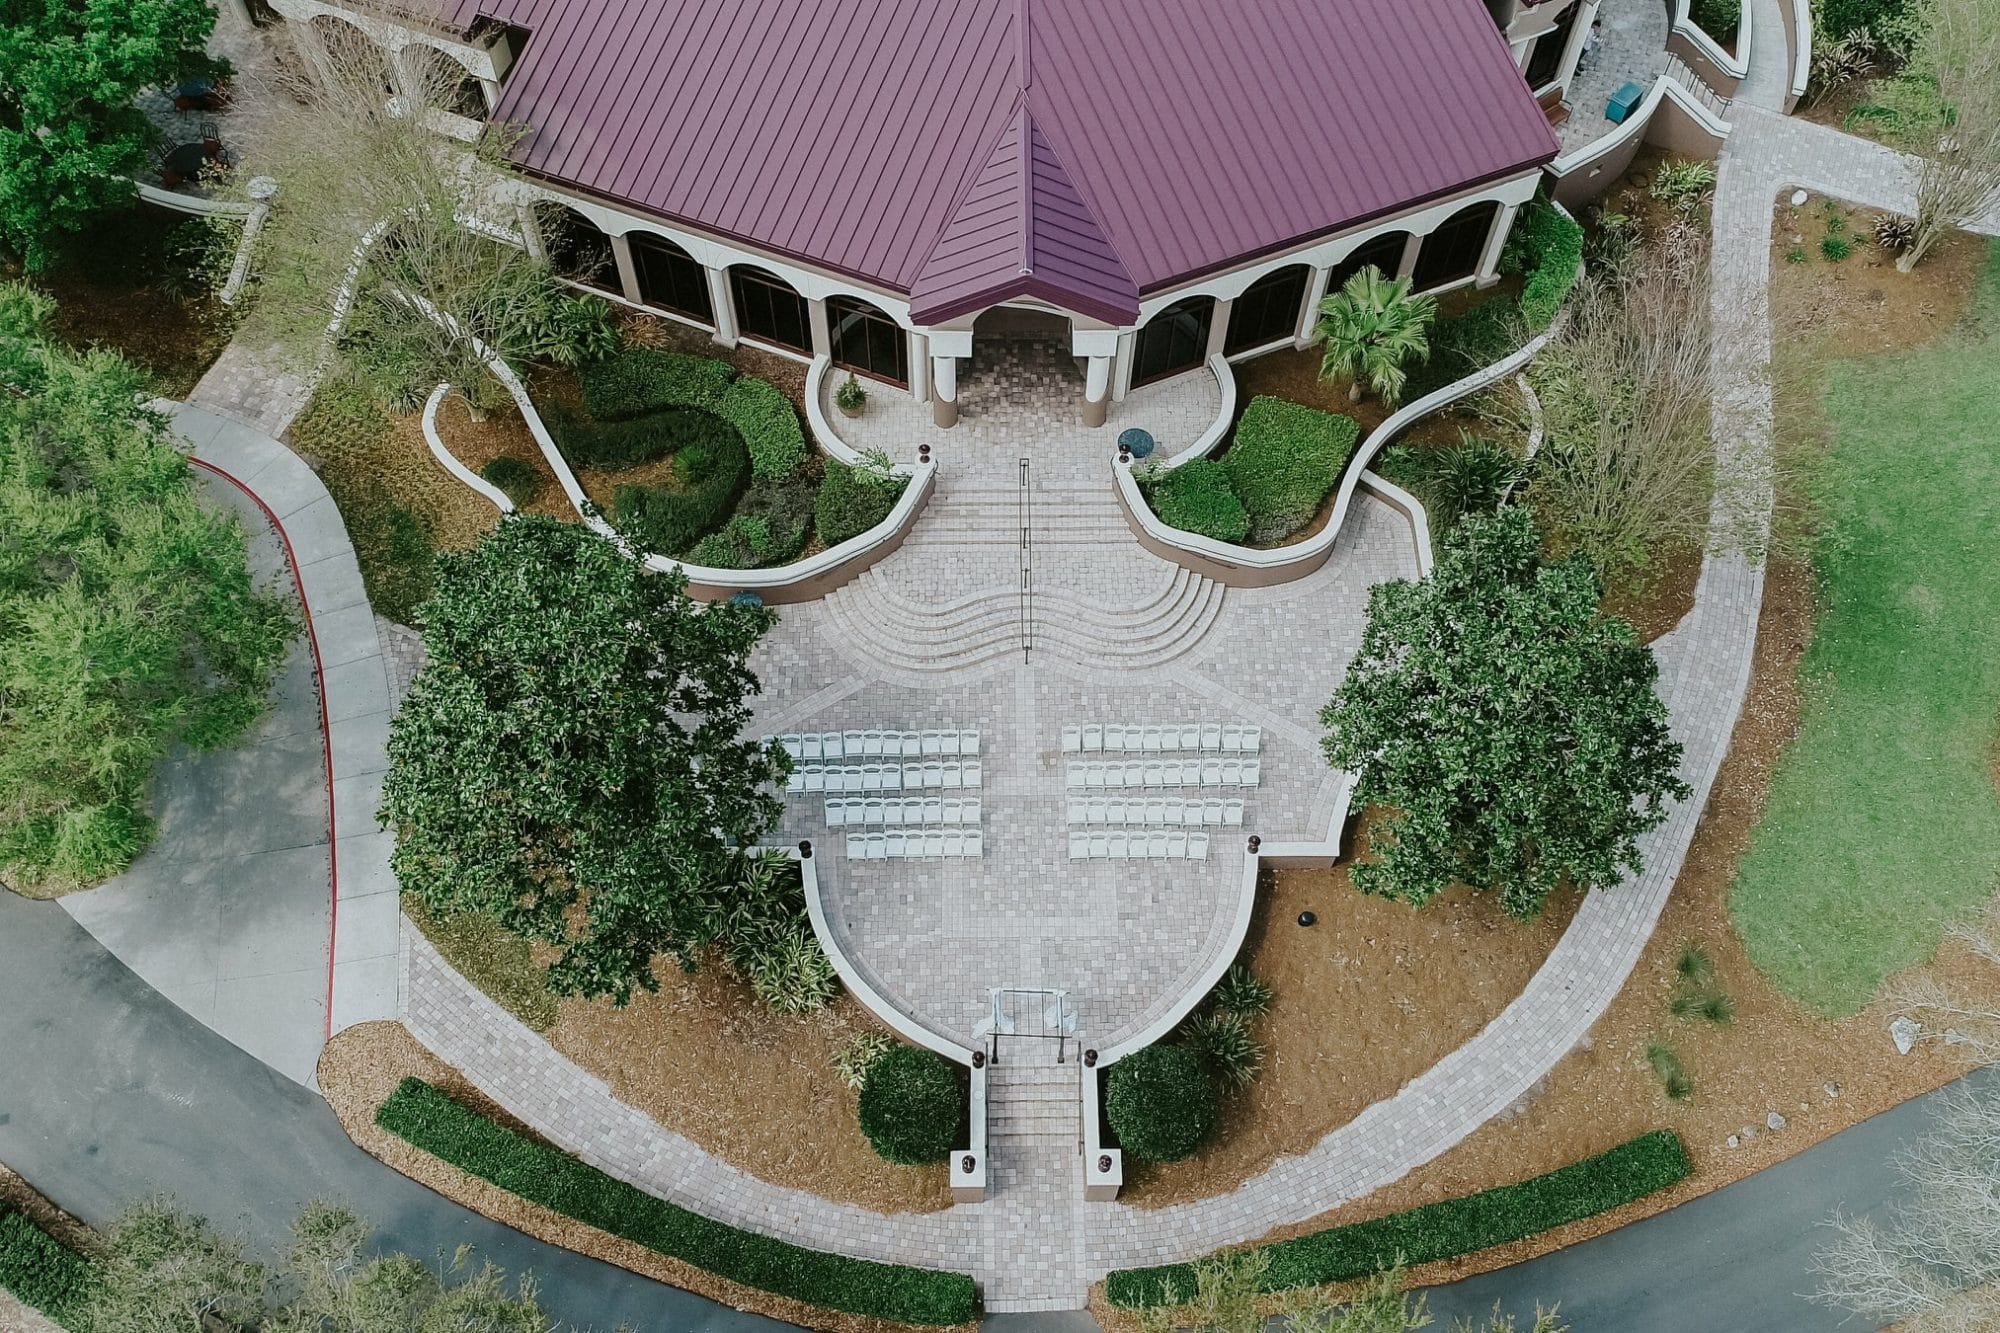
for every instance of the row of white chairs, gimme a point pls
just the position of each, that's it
(1164, 773)
(914, 844)
(1222, 737)
(1157, 812)
(843, 812)
(884, 777)
(817, 746)
(1125, 846)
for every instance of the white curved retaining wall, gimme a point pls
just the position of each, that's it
(1799, 12)
(1204, 444)
(1728, 70)
(449, 461)
(1607, 156)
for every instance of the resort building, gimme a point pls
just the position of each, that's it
(879, 185)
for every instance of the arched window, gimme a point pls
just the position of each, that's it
(867, 340)
(1451, 253)
(1174, 340)
(576, 248)
(670, 278)
(444, 83)
(349, 60)
(1384, 252)
(1268, 310)
(769, 308)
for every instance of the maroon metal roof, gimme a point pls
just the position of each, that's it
(967, 151)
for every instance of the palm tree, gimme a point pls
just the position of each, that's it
(1371, 327)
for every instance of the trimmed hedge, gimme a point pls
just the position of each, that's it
(40, 1270)
(912, 1106)
(852, 500)
(630, 441)
(1161, 1103)
(1285, 460)
(768, 528)
(426, 1118)
(515, 477)
(1582, 1189)
(1197, 497)
(641, 381)
(1551, 250)
(709, 474)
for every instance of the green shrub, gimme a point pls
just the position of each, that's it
(768, 423)
(1285, 460)
(669, 520)
(1673, 1075)
(39, 1270)
(569, 330)
(768, 528)
(516, 478)
(1454, 480)
(1684, 186)
(852, 500)
(853, 1060)
(631, 441)
(1160, 1102)
(1197, 497)
(1718, 18)
(1224, 1042)
(639, 380)
(913, 1106)
(1241, 993)
(1443, 1230)
(1465, 343)
(1552, 248)
(426, 1118)
(1835, 247)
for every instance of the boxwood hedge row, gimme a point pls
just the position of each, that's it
(40, 1271)
(641, 381)
(426, 1118)
(1582, 1189)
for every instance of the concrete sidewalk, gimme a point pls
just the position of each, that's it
(231, 913)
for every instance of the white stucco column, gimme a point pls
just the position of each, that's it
(1586, 14)
(628, 272)
(1099, 350)
(919, 355)
(1121, 365)
(1309, 308)
(822, 331)
(1218, 326)
(490, 89)
(1496, 241)
(946, 346)
(1408, 263)
(531, 232)
(720, 302)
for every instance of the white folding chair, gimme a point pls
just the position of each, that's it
(1211, 736)
(1190, 736)
(952, 844)
(975, 843)
(836, 813)
(1156, 845)
(1253, 739)
(1177, 845)
(796, 779)
(812, 747)
(934, 843)
(792, 744)
(930, 810)
(1232, 813)
(1079, 846)
(968, 741)
(830, 745)
(850, 744)
(1149, 739)
(928, 742)
(875, 811)
(823, 780)
(1156, 812)
(1079, 811)
(1253, 772)
(878, 846)
(1100, 846)
(1094, 774)
(1197, 846)
(1211, 772)
(1190, 772)
(970, 771)
(1077, 774)
(875, 743)
(971, 809)
(871, 777)
(1132, 775)
(1120, 846)
(1093, 738)
(1176, 810)
(913, 744)
(896, 845)
(1072, 739)
(1114, 812)
(857, 846)
(1232, 772)
(951, 810)
(1114, 735)
(1164, 775)
(951, 742)
(1099, 811)
(1232, 738)
(1211, 813)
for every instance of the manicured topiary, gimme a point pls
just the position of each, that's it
(1285, 460)
(1161, 1103)
(912, 1106)
(639, 380)
(1197, 497)
(515, 477)
(630, 441)
(709, 476)
(853, 500)
(768, 423)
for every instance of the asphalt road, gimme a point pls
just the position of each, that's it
(109, 1093)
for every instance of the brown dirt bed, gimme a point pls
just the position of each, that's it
(362, 1066)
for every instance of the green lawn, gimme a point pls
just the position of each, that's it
(1883, 823)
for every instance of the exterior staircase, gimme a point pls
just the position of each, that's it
(1033, 1137)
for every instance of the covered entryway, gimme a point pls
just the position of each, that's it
(1020, 353)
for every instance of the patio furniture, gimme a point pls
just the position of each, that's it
(1623, 103)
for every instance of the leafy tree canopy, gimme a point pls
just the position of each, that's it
(71, 135)
(571, 761)
(128, 621)
(1510, 731)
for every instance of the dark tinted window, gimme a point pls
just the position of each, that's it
(1174, 340)
(1267, 311)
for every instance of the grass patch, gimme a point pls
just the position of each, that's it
(1436, 1231)
(1882, 824)
(41, 1271)
(491, 957)
(344, 432)
(426, 1118)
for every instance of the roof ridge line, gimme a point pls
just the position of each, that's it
(1024, 120)
(1030, 127)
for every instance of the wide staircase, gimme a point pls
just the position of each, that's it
(1033, 1137)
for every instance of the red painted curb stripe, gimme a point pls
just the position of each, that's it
(325, 727)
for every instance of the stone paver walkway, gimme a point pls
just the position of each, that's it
(252, 386)
(230, 913)
(1633, 49)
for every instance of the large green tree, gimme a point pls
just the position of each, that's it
(1507, 729)
(570, 760)
(128, 621)
(71, 135)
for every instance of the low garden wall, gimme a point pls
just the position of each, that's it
(1798, 19)
(1670, 117)
(1722, 70)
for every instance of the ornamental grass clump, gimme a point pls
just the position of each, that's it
(913, 1106)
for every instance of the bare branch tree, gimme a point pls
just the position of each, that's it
(1959, 179)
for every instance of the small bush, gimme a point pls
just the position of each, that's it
(1468, 342)
(1161, 1103)
(912, 1106)
(39, 1270)
(1242, 994)
(768, 423)
(426, 1118)
(1197, 497)
(1455, 480)
(1673, 1075)
(516, 478)
(852, 500)
(1714, 1008)
(570, 330)
(1796, 255)
(1718, 18)
(670, 520)
(1835, 247)
(1694, 966)
(1552, 256)
(1225, 1044)
(639, 380)
(1684, 186)
(1442, 1230)
(631, 441)
(853, 1061)
(1285, 460)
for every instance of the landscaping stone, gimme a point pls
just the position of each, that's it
(1904, 1031)
(1774, 1122)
